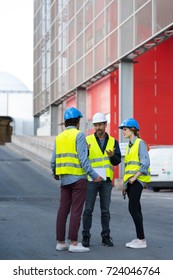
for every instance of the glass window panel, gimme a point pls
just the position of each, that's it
(108, 1)
(64, 39)
(139, 3)
(53, 71)
(71, 9)
(79, 72)
(99, 28)
(60, 24)
(71, 78)
(143, 24)
(126, 37)
(112, 17)
(64, 61)
(79, 46)
(79, 4)
(64, 83)
(126, 9)
(99, 6)
(89, 40)
(71, 55)
(99, 57)
(164, 13)
(53, 32)
(58, 87)
(89, 65)
(71, 31)
(58, 46)
(64, 18)
(88, 12)
(79, 22)
(48, 76)
(111, 47)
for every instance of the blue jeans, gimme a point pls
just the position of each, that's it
(104, 189)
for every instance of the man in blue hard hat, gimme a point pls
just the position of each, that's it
(70, 163)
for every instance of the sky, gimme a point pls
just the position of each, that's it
(16, 43)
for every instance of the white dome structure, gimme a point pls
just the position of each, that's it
(10, 83)
(16, 101)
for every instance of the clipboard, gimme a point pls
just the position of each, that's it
(101, 172)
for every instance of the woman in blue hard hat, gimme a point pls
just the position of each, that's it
(70, 162)
(136, 175)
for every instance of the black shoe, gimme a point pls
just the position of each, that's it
(107, 241)
(86, 241)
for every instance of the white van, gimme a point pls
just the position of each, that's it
(161, 167)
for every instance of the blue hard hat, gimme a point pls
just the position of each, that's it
(72, 113)
(130, 123)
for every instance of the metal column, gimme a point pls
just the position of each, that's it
(53, 120)
(36, 124)
(125, 92)
(81, 105)
(125, 102)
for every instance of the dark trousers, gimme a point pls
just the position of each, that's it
(134, 192)
(72, 199)
(104, 189)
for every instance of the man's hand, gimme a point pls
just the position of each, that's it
(89, 145)
(98, 179)
(110, 153)
(56, 177)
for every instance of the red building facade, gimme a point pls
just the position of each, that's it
(153, 97)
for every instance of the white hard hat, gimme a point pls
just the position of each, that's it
(99, 118)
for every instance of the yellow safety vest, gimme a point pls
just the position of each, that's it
(132, 163)
(97, 158)
(67, 161)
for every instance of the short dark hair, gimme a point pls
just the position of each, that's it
(72, 122)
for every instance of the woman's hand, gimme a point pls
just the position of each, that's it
(134, 178)
(124, 191)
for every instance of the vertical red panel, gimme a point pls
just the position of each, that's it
(71, 102)
(100, 94)
(114, 105)
(164, 93)
(98, 100)
(114, 112)
(144, 98)
(153, 93)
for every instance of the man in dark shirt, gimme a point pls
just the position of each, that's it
(104, 153)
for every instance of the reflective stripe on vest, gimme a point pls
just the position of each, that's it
(97, 158)
(132, 163)
(67, 161)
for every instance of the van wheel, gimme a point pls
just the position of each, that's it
(156, 189)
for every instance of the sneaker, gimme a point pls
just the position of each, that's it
(86, 241)
(137, 244)
(107, 241)
(62, 246)
(79, 248)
